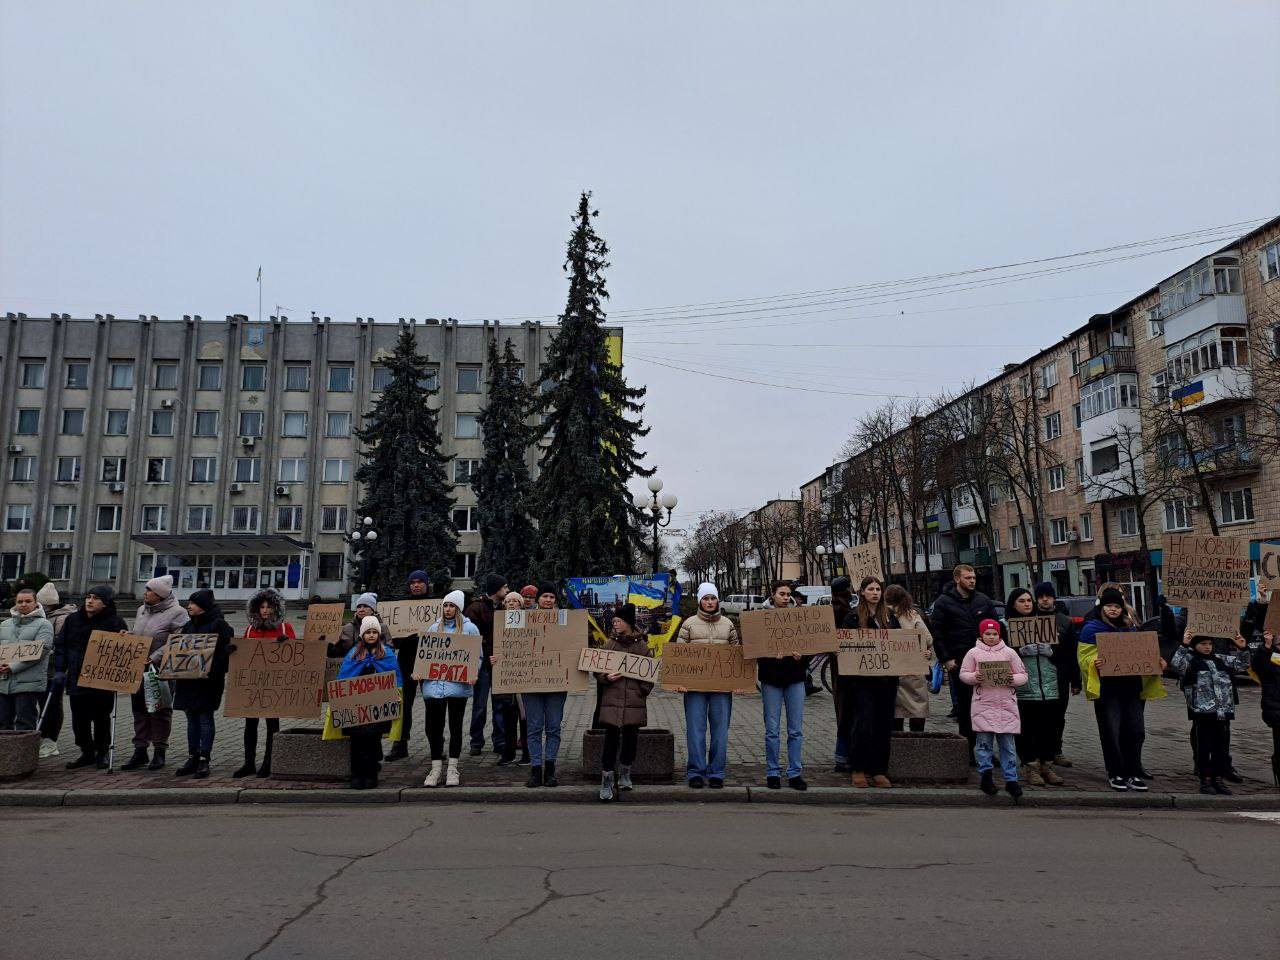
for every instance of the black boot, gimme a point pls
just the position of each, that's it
(988, 784)
(202, 767)
(1275, 769)
(157, 760)
(104, 760)
(84, 760)
(1013, 788)
(137, 761)
(188, 768)
(398, 752)
(549, 774)
(245, 769)
(265, 769)
(535, 777)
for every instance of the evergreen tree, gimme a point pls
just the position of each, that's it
(502, 485)
(406, 489)
(587, 523)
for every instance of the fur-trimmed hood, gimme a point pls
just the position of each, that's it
(271, 596)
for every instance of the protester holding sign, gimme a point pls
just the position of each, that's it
(623, 704)
(418, 586)
(994, 706)
(1064, 662)
(1266, 665)
(543, 712)
(1037, 698)
(23, 682)
(912, 703)
(90, 709)
(782, 683)
(1211, 704)
(703, 708)
(480, 612)
(868, 702)
(1117, 701)
(159, 616)
(265, 611)
(447, 698)
(366, 606)
(371, 655)
(200, 699)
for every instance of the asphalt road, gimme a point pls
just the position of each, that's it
(533, 881)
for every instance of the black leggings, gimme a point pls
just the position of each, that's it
(629, 735)
(915, 724)
(366, 751)
(1210, 738)
(868, 721)
(436, 710)
(251, 739)
(510, 724)
(1038, 741)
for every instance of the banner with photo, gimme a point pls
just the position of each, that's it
(655, 595)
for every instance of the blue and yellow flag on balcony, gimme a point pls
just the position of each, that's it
(1188, 395)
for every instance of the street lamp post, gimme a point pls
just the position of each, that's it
(361, 539)
(651, 509)
(821, 553)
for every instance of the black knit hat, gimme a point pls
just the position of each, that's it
(1111, 595)
(102, 592)
(627, 613)
(1045, 590)
(548, 587)
(493, 583)
(203, 599)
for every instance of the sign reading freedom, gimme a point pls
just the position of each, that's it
(324, 622)
(538, 651)
(114, 661)
(1204, 569)
(882, 653)
(275, 678)
(780, 632)
(707, 668)
(373, 698)
(597, 660)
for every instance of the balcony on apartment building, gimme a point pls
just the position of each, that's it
(1112, 360)
(1207, 294)
(1209, 368)
(975, 557)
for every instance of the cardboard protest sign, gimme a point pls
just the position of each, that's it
(408, 618)
(372, 698)
(1026, 630)
(1269, 566)
(1204, 569)
(448, 656)
(11, 653)
(1272, 622)
(863, 561)
(882, 653)
(1122, 654)
(538, 651)
(114, 661)
(707, 667)
(599, 660)
(187, 656)
(782, 631)
(275, 678)
(331, 667)
(995, 673)
(1213, 620)
(324, 622)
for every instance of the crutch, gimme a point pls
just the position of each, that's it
(44, 707)
(111, 750)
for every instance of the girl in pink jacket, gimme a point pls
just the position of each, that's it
(995, 670)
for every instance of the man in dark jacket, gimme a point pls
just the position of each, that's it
(90, 709)
(955, 618)
(480, 612)
(419, 588)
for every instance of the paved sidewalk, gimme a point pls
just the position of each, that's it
(1167, 754)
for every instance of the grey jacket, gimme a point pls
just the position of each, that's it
(1206, 681)
(158, 621)
(31, 676)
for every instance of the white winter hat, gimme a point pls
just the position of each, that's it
(369, 600)
(161, 586)
(370, 623)
(707, 590)
(457, 598)
(47, 595)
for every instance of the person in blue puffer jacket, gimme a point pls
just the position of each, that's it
(447, 698)
(370, 655)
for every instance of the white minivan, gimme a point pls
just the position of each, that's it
(738, 602)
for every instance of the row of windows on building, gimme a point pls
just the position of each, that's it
(204, 423)
(33, 374)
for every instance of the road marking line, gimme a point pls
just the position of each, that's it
(1272, 817)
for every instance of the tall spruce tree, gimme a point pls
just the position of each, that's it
(587, 523)
(406, 489)
(502, 485)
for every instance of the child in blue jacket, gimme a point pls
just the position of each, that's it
(369, 655)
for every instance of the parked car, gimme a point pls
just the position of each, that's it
(738, 602)
(815, 595)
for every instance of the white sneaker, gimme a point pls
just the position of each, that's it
(48, 748)
(452, 778)
(433, 778)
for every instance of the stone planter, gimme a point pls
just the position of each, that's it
(939, 757)
(303, 755)
(19, 754)
(655, 756)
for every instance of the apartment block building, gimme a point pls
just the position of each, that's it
(222, 452)
(1112, 406)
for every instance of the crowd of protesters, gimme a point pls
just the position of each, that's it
(1015, 722)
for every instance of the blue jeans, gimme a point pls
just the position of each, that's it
(701, 709)
(199, 732)
(773, 698)
(1008, 754)
(544, 713)
(480, 712)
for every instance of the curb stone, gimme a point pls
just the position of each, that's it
(32, 798)
(171, 796)
(311, 795)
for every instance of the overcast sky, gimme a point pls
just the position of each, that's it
(422, 159)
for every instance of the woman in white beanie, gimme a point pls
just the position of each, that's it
(447, 698)
(54, 714)
(366, 606)
(703, 709)
(159, 616)
(370, 655)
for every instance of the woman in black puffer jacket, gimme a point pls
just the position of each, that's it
(200, 699)
(90, 709)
